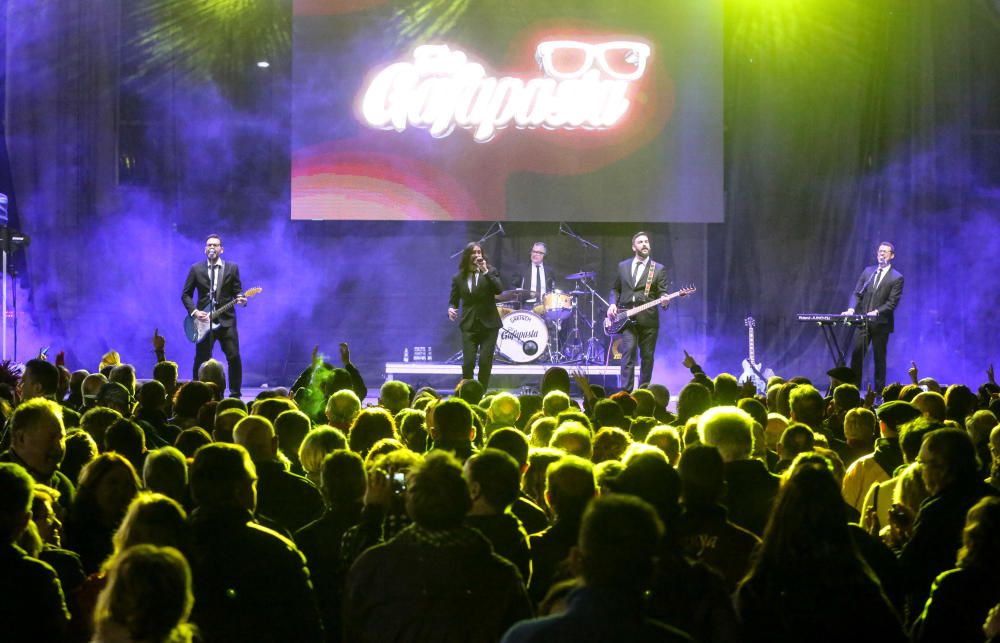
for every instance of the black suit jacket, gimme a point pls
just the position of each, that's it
(229, 287)
(884, 299)
(523, 279)
(478, 304)
(625, 295)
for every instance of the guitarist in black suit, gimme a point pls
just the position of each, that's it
(476, 285)
(638, 281)
(218, 283)
(876, 295)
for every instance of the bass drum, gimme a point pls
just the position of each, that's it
(523, 338)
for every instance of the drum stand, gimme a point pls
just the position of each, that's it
(555, 355)
(592, 351)
(573, 345)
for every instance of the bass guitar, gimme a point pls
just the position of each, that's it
(614, 325)
(752, 369)
(197, 330)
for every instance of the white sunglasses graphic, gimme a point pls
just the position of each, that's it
(568, 59)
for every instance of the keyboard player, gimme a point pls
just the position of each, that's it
(876, 295)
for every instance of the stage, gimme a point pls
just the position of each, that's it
(523, 375)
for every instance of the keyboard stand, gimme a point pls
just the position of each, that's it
(837, 353)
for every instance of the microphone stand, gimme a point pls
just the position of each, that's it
(592, 352)
(494, 229)
(866, 335)
(861, 292)
(565, 229)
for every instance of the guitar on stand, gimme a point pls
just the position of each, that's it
(614, 325)
(752, 371)
(197, 330)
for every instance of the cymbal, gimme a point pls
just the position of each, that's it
(519, 294)
(577, 293)
(582, 275)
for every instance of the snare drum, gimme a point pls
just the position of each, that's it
(523, 337)
(558, 305)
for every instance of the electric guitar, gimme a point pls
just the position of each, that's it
(197, 330)
(614, 325)
(752, 371)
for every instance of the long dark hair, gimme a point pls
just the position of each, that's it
(808, 529)
(465, 265)
(981, 537)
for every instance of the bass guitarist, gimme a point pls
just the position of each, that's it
(638, 281)
(218, 283)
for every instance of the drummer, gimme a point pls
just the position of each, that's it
(539, 279)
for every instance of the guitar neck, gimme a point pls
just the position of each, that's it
(221, 309)
(753, 359)
(662, 300)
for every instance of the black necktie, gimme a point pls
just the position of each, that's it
(878, 279)
(635, 272)
(538, 283)
(214, 279)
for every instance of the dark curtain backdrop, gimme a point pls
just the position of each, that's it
(847, 123)
(850, 123)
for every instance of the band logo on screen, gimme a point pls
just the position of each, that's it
(584, 85)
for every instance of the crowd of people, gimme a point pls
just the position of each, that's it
(159, 510)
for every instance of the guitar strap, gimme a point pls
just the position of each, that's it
(649, 278)
(220, 278)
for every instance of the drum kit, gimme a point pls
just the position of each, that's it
(532, 329)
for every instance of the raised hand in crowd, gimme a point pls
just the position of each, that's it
(912, 372)
(159, 345)
(581, 380)
(869, 397)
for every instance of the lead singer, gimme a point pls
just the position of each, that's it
(476, 285)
